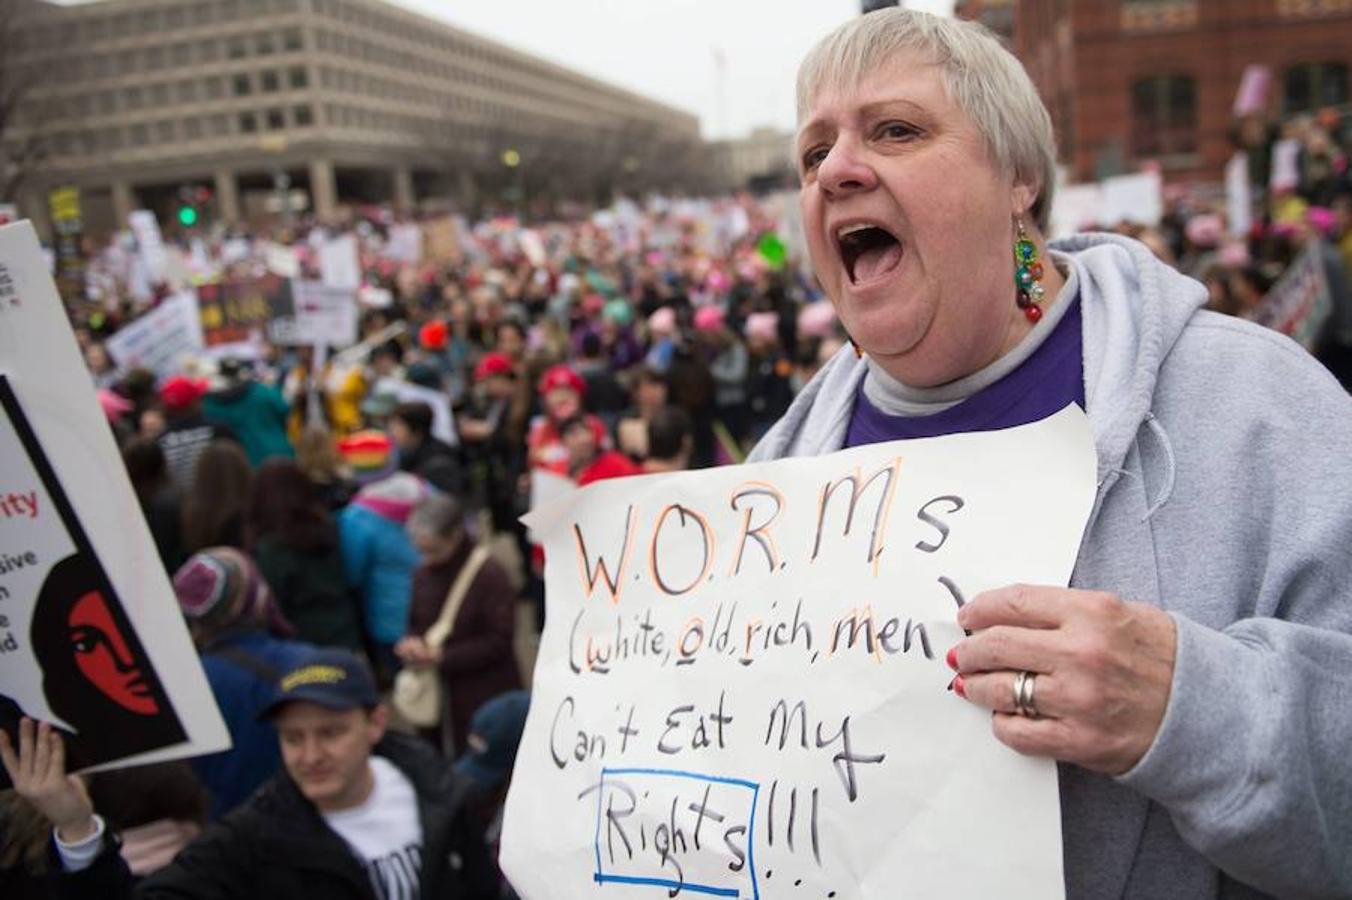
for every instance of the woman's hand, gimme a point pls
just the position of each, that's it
(39, 776)
(1103, 670)
(413, 651)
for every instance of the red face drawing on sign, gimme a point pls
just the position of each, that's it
(103, 657)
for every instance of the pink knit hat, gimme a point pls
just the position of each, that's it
(763, 325)
(708, 318)
(394, 497)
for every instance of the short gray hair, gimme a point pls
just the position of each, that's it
(440, 515)
(981, 76)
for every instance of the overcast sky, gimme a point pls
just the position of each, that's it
(666, 49)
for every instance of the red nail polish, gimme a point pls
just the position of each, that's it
(959, 688)
(952, 658)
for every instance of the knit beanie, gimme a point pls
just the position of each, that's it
(394, 497)
(221, 591)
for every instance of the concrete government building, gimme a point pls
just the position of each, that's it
(337, 101)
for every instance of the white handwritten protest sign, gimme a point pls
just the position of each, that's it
(150, 243)
(405, 243)
(742, 692)
(339, 265)
(91, 637)
(325, 315)
(161, 339)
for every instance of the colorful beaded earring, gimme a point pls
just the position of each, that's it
(1027, 275)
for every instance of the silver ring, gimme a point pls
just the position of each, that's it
(1024, 686)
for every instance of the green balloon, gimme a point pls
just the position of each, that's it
(772, 250)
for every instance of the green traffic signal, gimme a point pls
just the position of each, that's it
(187, 216)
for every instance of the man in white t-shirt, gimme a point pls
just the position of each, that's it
(358, 813)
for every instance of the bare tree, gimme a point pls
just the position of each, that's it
(22, 149)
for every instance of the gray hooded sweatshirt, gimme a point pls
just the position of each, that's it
(1225, 498)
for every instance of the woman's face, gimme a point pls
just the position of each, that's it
(561, 403)
(650, 394)
(929, 296)
(511, 342)
(103, 657)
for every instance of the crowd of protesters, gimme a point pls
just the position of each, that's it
(1291, 191)
(302, 504)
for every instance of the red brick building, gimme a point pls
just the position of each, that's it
(1134, 81)
(997, 15)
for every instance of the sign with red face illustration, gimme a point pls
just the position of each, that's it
(91, 638)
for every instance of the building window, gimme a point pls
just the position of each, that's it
(209, 51)
(276, 120)
(182, 54)
(131, 98)
(155, 58)
(1313, 85)
(1163, 116)
(270, 82)
(238, 49)
(159, 95)
(192, 129)
(247, 123)
(214, 88)
(187, 91)
(303, 116)
(291, 39)
(243, 85)
(164, 132)
(299, 78)
(140, 135)
(264, 45)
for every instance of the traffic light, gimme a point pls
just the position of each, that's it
(192, 204)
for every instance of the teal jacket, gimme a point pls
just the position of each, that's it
(256, 414)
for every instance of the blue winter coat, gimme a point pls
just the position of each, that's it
(379, 560)
(241, 692)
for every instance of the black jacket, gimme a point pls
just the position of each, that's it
(437, 463)
(277, 845)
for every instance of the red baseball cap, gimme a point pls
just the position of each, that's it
(180, 392)
(433, 335)
(491, 364)
(561, 376)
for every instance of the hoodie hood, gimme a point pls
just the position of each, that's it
(1134, 308)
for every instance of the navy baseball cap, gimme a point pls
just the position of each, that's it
(494, 735)
(335, 679)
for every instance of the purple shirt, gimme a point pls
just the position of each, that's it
(1046, 382)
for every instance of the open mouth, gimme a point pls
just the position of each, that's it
(868, 251)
